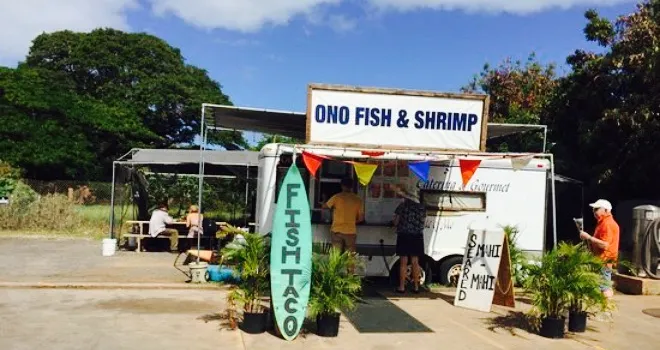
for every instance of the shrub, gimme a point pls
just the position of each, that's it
(519, 264)
(49, 213)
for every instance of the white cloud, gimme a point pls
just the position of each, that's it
(21, 21)
(341, 23)
(240, 15)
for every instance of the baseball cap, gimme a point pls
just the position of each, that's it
(601, 203)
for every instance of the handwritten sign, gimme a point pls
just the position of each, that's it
(404, 118)
(481, 264)
(291, 255)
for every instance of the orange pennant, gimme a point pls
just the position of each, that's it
(312, 162)
(468, 168)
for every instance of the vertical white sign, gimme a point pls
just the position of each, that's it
(481, 262)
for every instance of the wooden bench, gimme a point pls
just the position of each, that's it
(142, 235)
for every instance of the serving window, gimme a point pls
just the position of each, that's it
(454, 201)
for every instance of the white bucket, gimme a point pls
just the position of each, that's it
(198, 272)
(109, 246)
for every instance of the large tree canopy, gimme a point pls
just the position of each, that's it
(605, 115)
(80, 100)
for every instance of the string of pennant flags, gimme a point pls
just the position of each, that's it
(365, 171)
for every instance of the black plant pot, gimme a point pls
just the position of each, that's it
(253, 323)
(577, 321)
(552, 327)
(327, 325)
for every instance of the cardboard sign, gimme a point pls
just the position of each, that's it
(395, 118)
(482, 269)
(504, 290)
(291, 255)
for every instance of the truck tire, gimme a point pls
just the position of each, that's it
(450, 270)
(425, 278)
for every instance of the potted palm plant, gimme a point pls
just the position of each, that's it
(250, 259)
(584, 281)
(548, 284)
(333, 289)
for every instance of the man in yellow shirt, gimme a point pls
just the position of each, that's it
(347, 211)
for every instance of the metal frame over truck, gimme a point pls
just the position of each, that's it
(348, 122)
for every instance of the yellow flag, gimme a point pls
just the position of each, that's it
(364, 172)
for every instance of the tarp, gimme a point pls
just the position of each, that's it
(183, 161)
(180, 156)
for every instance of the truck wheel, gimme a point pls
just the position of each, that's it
(424, 279)
(450, 271)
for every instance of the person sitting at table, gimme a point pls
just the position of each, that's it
(193, 221)
(157, 226)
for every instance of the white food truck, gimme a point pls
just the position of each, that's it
(507, 196)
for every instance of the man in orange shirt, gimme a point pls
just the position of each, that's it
(605, 241)
(347, 211)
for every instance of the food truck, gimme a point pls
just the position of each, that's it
(401, 132)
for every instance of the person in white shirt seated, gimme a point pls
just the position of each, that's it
(157, 226)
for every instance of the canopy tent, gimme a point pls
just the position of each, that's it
(293, 124)
(219, 164)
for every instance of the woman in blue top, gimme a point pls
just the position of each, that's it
(409, 219)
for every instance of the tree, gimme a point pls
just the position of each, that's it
(266, 139)
(605, 115)
(97, 95)
(518, 94)
(51, 132)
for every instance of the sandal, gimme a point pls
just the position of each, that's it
(400, 291)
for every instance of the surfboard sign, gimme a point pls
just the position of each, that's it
(291, 255)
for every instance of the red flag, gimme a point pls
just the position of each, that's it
(372, 153)
(312, 162)
(468, 168)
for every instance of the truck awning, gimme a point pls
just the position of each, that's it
(293, 124)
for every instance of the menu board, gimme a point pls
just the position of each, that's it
(380, 198)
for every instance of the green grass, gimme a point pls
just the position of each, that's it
(93, 221)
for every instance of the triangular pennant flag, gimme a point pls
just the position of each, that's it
(364, 172)
(421, 169)
(372, 153)
(468, 168)
(518, 163)
(312, 162)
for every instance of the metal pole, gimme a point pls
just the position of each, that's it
(545, 138)
(112, 203)
(201, 176)
(247, 187)
(554, 199)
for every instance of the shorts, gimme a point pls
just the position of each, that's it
(343, 241)
(606, 272)
(409, 245)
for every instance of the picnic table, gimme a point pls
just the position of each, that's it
(141, 234)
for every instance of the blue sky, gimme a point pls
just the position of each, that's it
(425, 49)
(265, 52)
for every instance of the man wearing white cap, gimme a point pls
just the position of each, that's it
(605, 241)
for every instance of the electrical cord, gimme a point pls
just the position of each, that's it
(650, 237)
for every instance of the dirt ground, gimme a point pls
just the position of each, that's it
(120, 317)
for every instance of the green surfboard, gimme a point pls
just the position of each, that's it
(291, 255)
